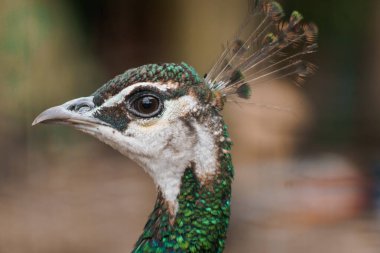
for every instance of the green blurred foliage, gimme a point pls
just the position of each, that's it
(43, 60)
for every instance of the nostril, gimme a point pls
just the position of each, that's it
(81, 106)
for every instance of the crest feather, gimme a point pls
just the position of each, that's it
(275, 49)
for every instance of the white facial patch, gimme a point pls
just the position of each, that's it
(165, 145)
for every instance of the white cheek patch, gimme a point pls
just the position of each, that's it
(166, 146)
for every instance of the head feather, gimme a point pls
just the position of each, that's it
(275, 49)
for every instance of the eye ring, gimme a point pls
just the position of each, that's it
(145, 104)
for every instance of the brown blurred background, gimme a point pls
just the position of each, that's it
(307, 159)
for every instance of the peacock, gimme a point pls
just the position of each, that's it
(168, 119)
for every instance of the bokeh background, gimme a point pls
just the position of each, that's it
(307, 159)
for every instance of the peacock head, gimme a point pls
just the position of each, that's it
(167, 119)
(162, 116)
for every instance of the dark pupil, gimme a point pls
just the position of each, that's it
(147, 104)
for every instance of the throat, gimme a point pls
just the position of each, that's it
(201, 221)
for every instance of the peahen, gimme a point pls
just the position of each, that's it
(167, 118)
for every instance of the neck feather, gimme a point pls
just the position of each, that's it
(201, 223)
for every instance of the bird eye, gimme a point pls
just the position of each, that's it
(145, 105)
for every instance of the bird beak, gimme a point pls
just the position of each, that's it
(77, 112)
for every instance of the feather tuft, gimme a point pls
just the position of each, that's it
(244, 91)
(236, 76)
(275, 49)
(311, 32)
(295, 19)
(273, 10)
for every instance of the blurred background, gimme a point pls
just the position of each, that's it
(307, 159)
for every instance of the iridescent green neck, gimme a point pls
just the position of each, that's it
(202, 219)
